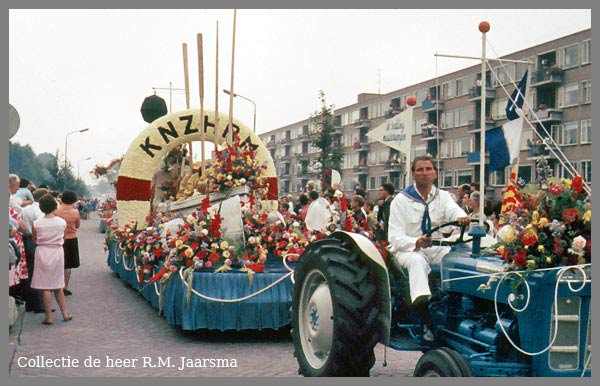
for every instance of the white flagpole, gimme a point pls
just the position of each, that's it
(482, 123)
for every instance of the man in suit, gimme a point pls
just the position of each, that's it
(386, 193)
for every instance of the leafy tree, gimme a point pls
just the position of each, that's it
(323, 122)
(44, 169)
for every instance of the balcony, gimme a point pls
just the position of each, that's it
(475, 126)
(361, 169)
(286, 141)
(547, 115)
(270, 145)
(430, 132)
(362, 124)
(538, 150)
(363, 146)
(553, 76)
(475, 93)
(430, 105)
(392, 112)
(285, 176)
(304, 137)
(286, 158)
(393, 166)
(473, 158)
(338, 130)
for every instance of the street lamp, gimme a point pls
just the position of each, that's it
(78, 162)
(249, 100)
(67, 137)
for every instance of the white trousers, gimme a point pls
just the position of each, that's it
(418, 265)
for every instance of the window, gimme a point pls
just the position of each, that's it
(567, 95)
(449, 89)
(382, 180)
(464, 176)
(498, 109)
(526, 135)
(586, 51)
(525, 172)
(568, 56)
(586, 131)
(354, 117)
(397, 183)
(498, 177)
(462, 146)
(421, 95)
(586, 91)
(463, 85)
(520, 70)
(419, 150)
(446, 178)
(504, 74)
(447, 119)
(418, 123)
(569, 133)
(585, 169)
(350, 160)
(463, 116)
(446, 149)
(372, 183)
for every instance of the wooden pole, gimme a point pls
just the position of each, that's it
(201, 92)
(186, 80)
(215, 140)
(231, 90)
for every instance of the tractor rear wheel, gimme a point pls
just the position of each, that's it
(335, 311)
(442, 362)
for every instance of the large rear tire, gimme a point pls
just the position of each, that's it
(442, 362)
(335, 312)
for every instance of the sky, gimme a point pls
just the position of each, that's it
(77, 69)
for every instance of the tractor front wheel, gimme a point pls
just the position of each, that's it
(334, 311)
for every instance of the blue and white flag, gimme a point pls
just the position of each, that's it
(503, 143)
(516, 99)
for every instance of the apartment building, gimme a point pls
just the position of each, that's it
(447, 123)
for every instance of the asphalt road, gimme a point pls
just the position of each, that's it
(116, 333)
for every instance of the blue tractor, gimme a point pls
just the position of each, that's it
(487, 321)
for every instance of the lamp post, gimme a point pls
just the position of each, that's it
(249, 100)
(78, 162)
(67, 137)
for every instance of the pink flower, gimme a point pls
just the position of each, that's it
(579, 243)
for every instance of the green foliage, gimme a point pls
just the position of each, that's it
(45, 170)
(323, 122)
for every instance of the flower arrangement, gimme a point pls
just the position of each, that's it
(547, 228)
(236, 166)
(109, 171)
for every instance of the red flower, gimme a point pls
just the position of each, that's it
(202, 254)
(158, 252)
(214, 257)
(577, 184)
(570, 215)
(556, 189)
(256, 267)
(158, 275)
(520, 259)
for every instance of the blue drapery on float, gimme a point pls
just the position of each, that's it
(269, 309)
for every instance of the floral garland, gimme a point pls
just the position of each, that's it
(548, 228)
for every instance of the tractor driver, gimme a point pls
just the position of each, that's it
(417, 209)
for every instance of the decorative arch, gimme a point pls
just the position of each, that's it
(145, 153)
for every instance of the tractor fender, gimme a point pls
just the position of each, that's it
(371, 256)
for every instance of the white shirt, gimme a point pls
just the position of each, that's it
(406, 216)
(31, 213)
(15, 203)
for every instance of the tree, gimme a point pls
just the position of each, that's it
(323, 123)
(23, 162)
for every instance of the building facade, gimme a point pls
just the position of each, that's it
(447, 123)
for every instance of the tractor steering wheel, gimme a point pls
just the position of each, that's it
(460, 239)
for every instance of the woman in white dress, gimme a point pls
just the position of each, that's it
(48, 234)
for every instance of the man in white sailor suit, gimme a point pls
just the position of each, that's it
(413, 212)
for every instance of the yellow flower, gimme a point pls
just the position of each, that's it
(543, 222)
(224, 245)
(535, 215)
(548, 260)
(507, 233)
(587, 216)
(226, 254)
(540, 248)
(178, 243)
(531, 264)
(189, 252)
(566, 183)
